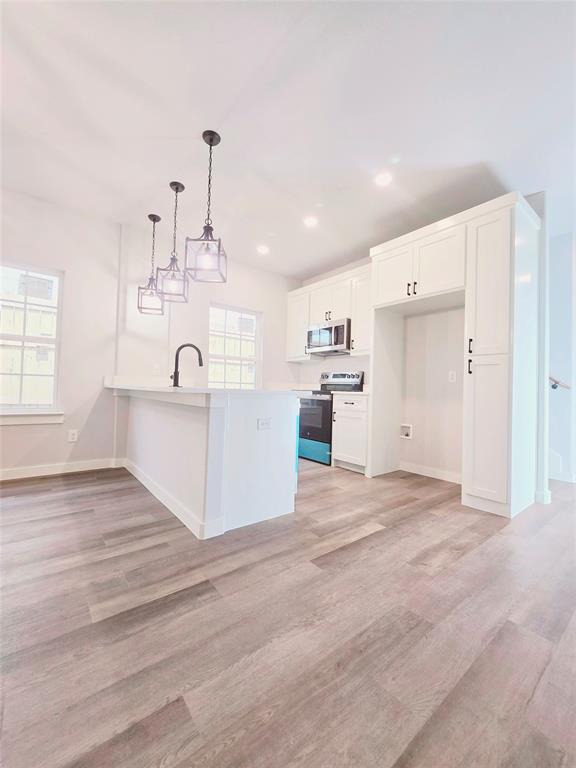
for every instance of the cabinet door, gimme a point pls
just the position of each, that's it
(439, 262)
(340, 300)
(393, 276)
(350, 436)
(361, 316)
(488, 284)
(320, 301)
(485, 427)
(297, 321)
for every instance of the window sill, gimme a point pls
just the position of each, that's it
(25, 417)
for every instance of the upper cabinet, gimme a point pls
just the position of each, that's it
(488, 284)
(361, 316)
(297, 322)
(344, 296)
(427, 266)
(331, 301)
(440, 262)
(393, 276)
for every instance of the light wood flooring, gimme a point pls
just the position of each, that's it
(383, 625)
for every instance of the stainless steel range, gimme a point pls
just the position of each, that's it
(315, 432)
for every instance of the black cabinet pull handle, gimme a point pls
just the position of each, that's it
(352, 344)
(347, 402)
(408, 289)
(415, 284)
(469, 346)
(469, 366)
(334, 416)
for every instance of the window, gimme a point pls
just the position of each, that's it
(233, 348)
(29, 328)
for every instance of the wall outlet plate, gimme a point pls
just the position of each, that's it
(72, 435)
(264, 423)
(406, 431)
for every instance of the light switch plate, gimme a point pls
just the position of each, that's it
(452, 376)
(264, 423)
(72, 435)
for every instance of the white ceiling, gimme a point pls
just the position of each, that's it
(104, 104)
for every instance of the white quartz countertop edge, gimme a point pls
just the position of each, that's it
(139, 386)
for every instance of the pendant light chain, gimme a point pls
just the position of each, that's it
(175, 216)
(208, 220)
(153, 246)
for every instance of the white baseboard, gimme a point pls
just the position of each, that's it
(543, 497)
(184, 514)
(564, 477)
(64, 468)
(437, 474)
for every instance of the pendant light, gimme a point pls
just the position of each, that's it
(171, 281)
(150, 302)
(205, 256)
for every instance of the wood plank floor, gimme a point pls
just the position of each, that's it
(383, 625)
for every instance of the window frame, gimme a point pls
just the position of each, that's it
(235, 358)
(18, 413)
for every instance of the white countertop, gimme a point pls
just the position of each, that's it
(137, 385)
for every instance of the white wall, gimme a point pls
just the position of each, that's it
(38, 234)
(563, 357)
(146, 345)
(433, 346)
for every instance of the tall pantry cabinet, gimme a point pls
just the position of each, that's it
(487, 259)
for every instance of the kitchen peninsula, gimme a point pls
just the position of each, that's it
(219, 459)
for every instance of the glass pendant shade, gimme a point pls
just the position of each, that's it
(172, 282)
(206, 258)
(150, 302)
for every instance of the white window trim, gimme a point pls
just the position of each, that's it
(42, 417)
(258, 340)
(38, 414)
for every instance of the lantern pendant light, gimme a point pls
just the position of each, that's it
(150, 302)
(171, 281)
(205, 256)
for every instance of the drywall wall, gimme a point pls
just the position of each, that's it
(146, 345)
(432, 403)
(38, 234)
(563, 357)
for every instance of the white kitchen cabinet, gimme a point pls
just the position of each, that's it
(330, 301)
(350, 429)
(488, 284)
(492, 251)
(392, 274)
(440, 262)
(297, 322)
(361, 316)
(427, 266)
(486, 427)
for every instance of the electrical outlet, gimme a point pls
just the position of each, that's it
(72, 435)
(264, 423)
(452, 376)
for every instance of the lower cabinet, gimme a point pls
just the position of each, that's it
(486, 427)
(350, 429)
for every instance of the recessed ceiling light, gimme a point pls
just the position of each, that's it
(310, 221)
(263, 250)
(395, 159)
(383, 179)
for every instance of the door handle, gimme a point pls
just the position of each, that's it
(408, 289)
(469, 365)
(415, 284)
(469, 346)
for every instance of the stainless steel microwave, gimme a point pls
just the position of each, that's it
(331, 338)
